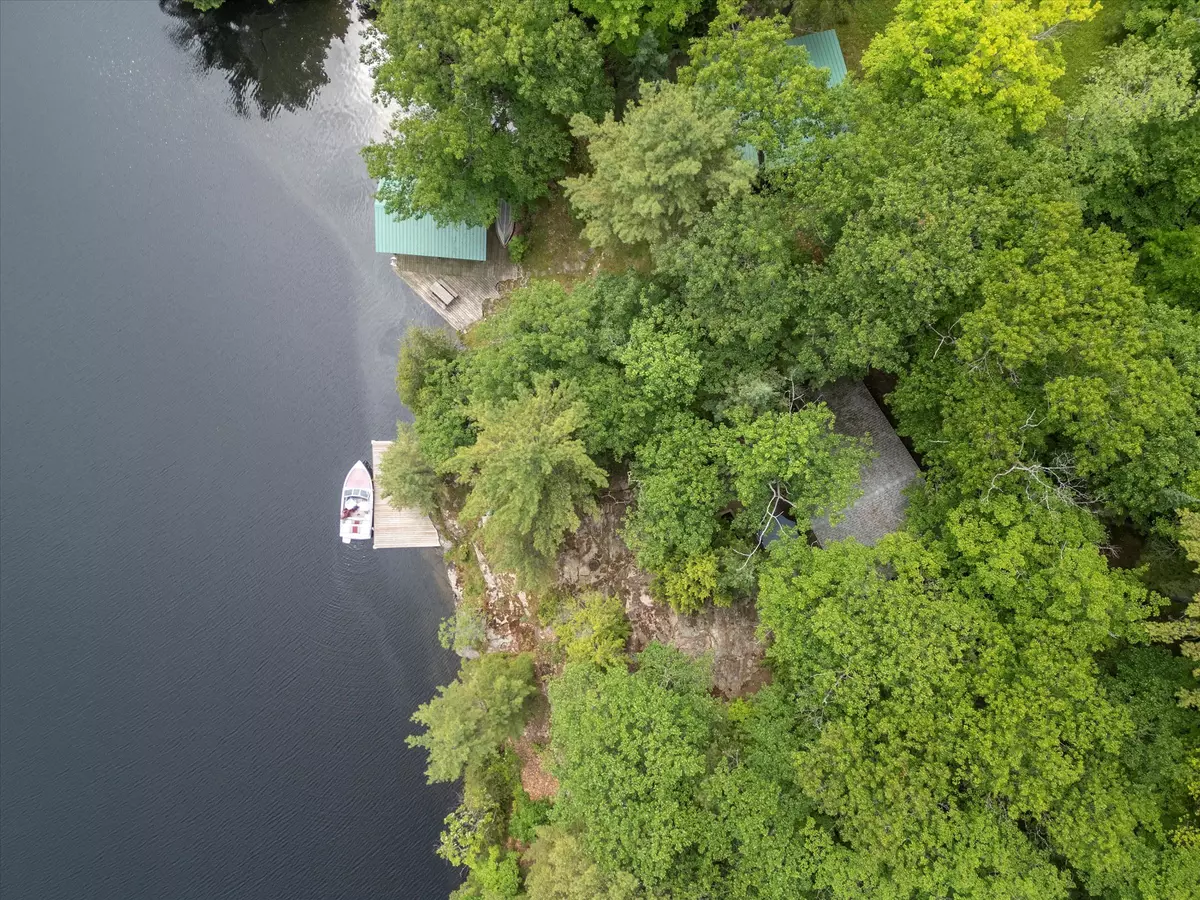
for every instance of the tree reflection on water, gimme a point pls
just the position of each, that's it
(271, 54)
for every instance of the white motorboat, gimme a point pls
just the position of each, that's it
(355, 513)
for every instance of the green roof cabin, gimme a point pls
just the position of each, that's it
(824, 52)
(422, 236)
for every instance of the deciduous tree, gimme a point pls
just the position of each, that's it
(1001, 57)
(747, 65)
(485, 90)
(405, 477)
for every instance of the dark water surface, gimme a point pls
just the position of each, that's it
(204, 694)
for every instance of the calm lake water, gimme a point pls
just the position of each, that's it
(204, 694)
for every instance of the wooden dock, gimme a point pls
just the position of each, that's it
(473, 285)
(397, 527)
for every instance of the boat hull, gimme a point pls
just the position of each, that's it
(356, 511)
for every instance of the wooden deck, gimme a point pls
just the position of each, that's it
(398, 527)
(477, 284)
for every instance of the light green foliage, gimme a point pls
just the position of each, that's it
(689, 583)
(629, 752)
(596, 632)
(1063, 378)
(657, 170)
(794, 457)
(527, 815)
(495, 876)
(471, 716)
(405, 478)
(485, 90)
(562, 869)
(1185, 631)
(1134, 132)
(747, 66)
(998, 56)
(529, 475)
(465, 630)
(623, 21)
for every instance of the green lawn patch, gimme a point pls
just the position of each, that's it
(855, 29)
(1081, 45)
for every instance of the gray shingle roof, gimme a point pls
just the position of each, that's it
(880, 509)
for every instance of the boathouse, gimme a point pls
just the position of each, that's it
(423, 236)
(456, 269)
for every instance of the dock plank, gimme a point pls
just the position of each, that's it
(397, 527)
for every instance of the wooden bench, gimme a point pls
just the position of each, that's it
(444, 293)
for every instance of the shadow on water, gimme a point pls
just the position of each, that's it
(271, 54)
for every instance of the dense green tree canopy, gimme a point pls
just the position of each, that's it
(1134, 131)
(629, 752)
(485, 90)
(623, 21)
(1063, 377)
(747, 66)
(998, 56)
(657, 170)
(991, 702)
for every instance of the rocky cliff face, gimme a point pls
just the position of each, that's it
(595, 558)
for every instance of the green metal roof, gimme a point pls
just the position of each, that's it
(825, 52)
(424, 237)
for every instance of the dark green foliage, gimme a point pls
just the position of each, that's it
(487, 88)
(427, 382)
(1169, 265)
(1134, 133)
(736, 281)
(768, 463)
(680, 492)
(580, 337)
(746, 65)
(527, 815)
(629, 753)
(471, 716)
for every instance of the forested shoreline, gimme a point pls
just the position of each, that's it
(994, 701)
